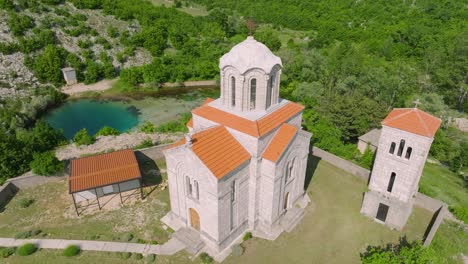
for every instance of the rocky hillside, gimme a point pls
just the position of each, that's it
(89, 41)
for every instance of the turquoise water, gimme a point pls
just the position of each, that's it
(93, 115)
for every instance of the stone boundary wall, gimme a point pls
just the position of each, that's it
(436, 220)
(7, 191)
(341, 163)
(206, 83)
(30, 180)
(427, 202)
(154, 152)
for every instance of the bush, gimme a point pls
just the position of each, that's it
(150, 258)
(107, 131)
(460, 212)
(82, 138)
(46, 163)
(138, 256)
(237, 250)
(26, 249)
(147, 127)
(6, 252)
(145, 144)
(126, 237)
(25, 202)
(71, 250)
(247, 236)
(125, 255)
(27, 234)
(205, 258)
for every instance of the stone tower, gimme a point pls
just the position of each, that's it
(407, 135)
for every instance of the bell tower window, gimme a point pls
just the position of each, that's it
(391, 182)
(392, 148)
(401, 147)
(253, 93)
(270, 91)
(233, 91)
(408, 153)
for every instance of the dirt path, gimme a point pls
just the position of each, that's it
(81, 87)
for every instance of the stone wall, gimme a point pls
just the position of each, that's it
(7, 191)
(341, 163)
(30, 180)
(437, 219)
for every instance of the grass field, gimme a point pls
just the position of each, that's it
(332, 231)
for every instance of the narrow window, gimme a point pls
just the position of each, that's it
(233, 91)
(408, 153)
(233, 191)
(195, 187)
(390, 183)
(253, 93)
(270, 91)
(189, 186)
(392, 148)
(401, 147)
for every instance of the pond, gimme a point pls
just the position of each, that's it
(121, 115)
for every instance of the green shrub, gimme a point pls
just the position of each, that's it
(27, 234)
(82, 138)
(46, 163)
(71, 250)
(138, 256)
(145, 144)
(26, 249)
(6, 252)
(147, 127)
(247, 236)
(25, 202)
(126, 237)
(205, 258)
(107, 131)
(125, 255)
(154, 242)
(150, 258)
(460, 212)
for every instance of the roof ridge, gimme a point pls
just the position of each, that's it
(101, 171)
(397, 116)
(423, 122)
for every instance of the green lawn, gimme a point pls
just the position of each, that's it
(440, 183)
(332, 231)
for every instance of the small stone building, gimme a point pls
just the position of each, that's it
(405, 140)
(242, 166)
(370, 139)
(69, 75)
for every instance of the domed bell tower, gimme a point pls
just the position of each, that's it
(250, 77)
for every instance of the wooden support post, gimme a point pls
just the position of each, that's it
(120, 193)
(97, 197)
(74, 202)
(141, 189)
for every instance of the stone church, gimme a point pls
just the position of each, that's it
(405, 140)
(242, 165)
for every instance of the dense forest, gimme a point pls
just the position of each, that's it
(348, 62)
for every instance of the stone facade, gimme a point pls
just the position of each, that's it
(398, 166)
(258, 193)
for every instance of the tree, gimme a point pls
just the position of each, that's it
(48, 64)
(46, 163)
(93, 73)
(403, 252)
(107, 131)
(83, 138)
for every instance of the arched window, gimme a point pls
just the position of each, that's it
(195, 187)
(392, 148)
(390, 183)
(233, 191)
(408, 152)
(253, 93)
(233, 91)
(188, 186)
(290, 170)
(401, 147)
(270, 90)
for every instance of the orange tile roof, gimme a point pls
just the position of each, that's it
(190, 123)
(254, 128)
(280, 142)
(413, 120)
(102, 170)
(218, 150)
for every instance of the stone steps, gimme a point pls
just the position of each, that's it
(190, 238)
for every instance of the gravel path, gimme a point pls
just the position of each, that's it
(81, 87)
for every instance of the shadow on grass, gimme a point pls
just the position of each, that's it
(150, 172)
(7, 195)
(312, 163)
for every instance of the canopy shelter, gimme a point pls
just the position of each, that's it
(109, 173)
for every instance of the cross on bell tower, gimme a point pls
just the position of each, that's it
(250, 25)
(416, 103)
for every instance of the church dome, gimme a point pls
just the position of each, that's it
(250, 54)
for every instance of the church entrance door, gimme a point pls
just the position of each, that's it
(194, 219)
(382, 212)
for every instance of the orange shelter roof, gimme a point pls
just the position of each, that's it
(218, 150)
(413, 120)
(280, 142)
(254, 128)
(102, 170)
